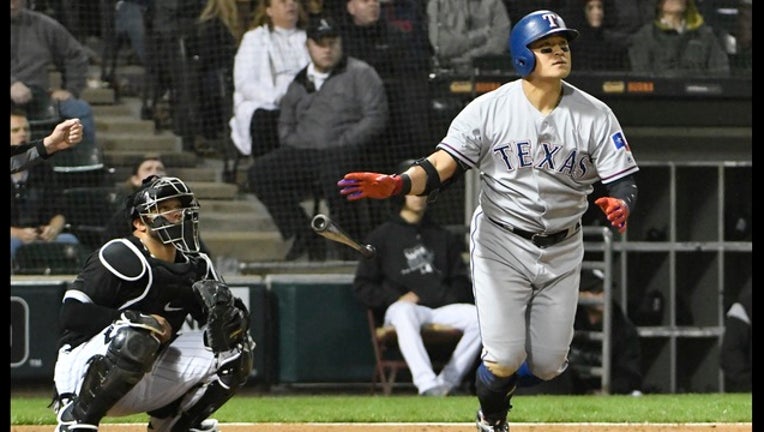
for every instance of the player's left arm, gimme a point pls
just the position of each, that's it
(620, 202)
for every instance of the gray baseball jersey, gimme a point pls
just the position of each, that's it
(536, 172)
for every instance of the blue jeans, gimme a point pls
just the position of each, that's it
(87, 152)
(67, 238)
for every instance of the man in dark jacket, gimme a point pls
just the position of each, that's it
(419, 277)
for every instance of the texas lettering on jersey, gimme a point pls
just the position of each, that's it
(552, 157)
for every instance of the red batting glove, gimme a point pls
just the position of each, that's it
(358, 185)
(616, 211)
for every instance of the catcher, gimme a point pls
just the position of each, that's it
(122, 350)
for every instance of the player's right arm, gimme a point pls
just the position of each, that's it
(428, 175)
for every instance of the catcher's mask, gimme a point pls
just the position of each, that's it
(530, 28)
(177, 225)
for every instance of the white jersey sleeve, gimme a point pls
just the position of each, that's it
(611, 155)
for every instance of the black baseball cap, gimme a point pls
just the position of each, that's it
(322, 27)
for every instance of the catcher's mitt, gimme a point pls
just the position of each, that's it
(227, 317)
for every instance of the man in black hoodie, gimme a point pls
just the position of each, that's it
(419, 277)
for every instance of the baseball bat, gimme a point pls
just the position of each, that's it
(326, 227)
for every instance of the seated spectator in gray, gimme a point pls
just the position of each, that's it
(39, 43)
(461, 30)
(333, 108)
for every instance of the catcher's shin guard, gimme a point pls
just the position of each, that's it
(231, 376)
(129, 356)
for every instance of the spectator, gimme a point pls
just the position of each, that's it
(36, 199)
(269, 57)
(460, 32)
(410, 16)
(65, 135)
(520, 8)
(368, 36)
(740, 40)
(625, 349)
(148, 166)
(171, 97)
(213, 47)
(678, 43)
(313, 8)
(335, 106)
(595, 49)
(419, 277)
(39, 43)
(626, 17)
(737, 348)
(120, 20)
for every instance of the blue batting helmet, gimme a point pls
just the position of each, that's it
(530, 28)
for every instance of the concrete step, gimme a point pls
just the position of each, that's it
(214, 221)
(98, 96)
(117, 109)
(206, 174)
(246, 246)
(126, 123)
(144, 142)
(93, 95)
(213, 190)
(128, 158)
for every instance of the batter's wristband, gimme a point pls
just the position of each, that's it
(403, 186)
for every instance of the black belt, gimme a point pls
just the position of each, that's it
(540, 240)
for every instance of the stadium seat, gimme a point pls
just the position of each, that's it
(49, 259)
(88, 210)
(439, 340)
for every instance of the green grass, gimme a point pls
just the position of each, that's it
(679, 408)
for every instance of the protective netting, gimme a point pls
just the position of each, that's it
(160, 81)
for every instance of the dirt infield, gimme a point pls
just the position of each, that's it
(436, 427)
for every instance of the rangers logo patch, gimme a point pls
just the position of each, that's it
(620, 141)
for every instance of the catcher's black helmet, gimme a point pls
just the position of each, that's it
(182, 230)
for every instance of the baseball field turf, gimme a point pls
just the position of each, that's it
(264, 412)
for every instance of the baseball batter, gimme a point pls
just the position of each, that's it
(122, 350)
(540, 145)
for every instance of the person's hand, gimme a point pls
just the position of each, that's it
(409, 297)
(67, 134)
(166, 328)
(615, 210)
(47, 233)
(20, 93)
(61, 95)
(358, 185)
(26, 235)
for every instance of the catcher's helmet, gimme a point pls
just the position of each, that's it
(177, 226)
(529, 29)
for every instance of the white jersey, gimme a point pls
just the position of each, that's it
(536, 170)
